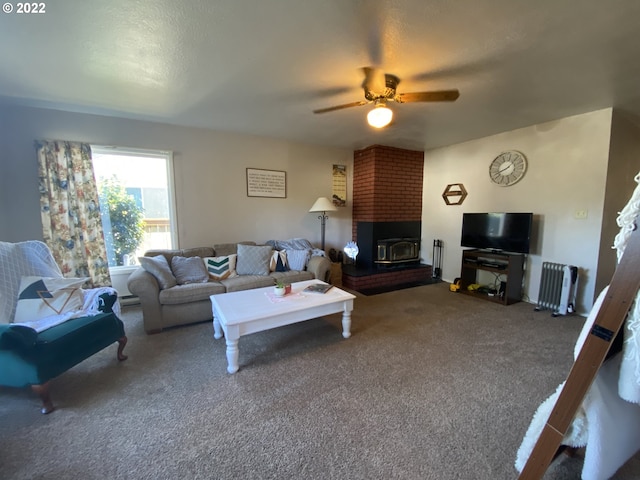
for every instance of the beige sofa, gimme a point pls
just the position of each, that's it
(190, 303)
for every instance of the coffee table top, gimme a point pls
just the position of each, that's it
(257, 303)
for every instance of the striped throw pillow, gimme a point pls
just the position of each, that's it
(221, 267)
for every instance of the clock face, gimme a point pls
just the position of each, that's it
(508, 168)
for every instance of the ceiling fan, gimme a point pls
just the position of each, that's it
(380, 88)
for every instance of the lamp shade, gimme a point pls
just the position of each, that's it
(380, 116)
(323, 204)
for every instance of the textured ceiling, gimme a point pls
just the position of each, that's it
(262, 67)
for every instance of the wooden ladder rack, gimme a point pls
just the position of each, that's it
(609, 319)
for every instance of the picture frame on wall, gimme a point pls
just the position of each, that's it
(339, 186)
(266, 183)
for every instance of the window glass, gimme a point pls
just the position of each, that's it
(136, 192)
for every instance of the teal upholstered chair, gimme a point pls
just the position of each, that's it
(34, 356)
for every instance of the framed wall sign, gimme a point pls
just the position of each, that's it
(266, 183)
(339, 185)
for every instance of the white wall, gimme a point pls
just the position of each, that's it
(567, 169)
(210, 175)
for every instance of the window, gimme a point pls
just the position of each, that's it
(137, 186)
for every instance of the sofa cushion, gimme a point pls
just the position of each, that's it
(253, 259)
(159, 268)
(298, 259)
(247, 282)
(229, 248)
(198, 252)
(191, 292)
(42, 297)
(221, 267)
(189, 270)
(167, 254)
(292, 276)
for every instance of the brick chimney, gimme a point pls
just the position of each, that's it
(387, 196)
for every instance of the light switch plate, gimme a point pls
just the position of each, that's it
(580, 214)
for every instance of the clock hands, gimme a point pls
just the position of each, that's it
(504, 169)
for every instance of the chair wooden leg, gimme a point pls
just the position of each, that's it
(43, 392)
(122, 341)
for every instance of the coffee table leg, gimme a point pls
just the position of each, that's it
(217, 330)
(232, 355)
(346, 322)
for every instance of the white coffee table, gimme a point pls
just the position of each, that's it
(250, 311)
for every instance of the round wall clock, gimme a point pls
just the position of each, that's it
(508, 168)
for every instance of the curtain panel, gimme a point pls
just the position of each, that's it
(70, 210)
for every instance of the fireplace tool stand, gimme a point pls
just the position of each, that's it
(436, 268)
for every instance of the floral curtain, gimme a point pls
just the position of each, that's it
(70, 211)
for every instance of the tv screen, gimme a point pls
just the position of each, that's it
(510, 232)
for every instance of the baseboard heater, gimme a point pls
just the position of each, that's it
(558, 284)
(129, 300)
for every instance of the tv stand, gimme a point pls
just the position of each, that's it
(508, 269)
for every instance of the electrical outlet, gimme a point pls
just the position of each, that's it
(580, 214)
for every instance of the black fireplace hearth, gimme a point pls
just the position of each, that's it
(386, 244)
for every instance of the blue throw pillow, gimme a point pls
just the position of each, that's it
(298, 259)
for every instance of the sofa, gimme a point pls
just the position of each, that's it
(230, 267)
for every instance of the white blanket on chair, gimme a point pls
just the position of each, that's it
(93, 305)
(33, 258)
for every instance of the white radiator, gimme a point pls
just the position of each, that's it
(558, 284)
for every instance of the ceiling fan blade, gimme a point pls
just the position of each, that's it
(435, 96)
(340, 107)
(374, 80)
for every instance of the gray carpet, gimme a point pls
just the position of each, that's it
(432, 385)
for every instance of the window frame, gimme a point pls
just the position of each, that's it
(167, 155)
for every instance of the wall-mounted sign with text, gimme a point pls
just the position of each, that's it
(266, 183)
(339, 187)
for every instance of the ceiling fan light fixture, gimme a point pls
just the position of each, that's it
(380, 116)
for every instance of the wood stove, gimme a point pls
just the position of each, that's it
(398, 250)
(370, 233)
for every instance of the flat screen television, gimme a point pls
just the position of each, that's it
(509, 232)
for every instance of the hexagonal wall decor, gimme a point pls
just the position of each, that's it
(454, 194)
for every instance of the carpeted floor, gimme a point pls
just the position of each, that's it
(431, 385)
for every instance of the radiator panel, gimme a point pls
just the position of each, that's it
(557, 288)
(550, 285)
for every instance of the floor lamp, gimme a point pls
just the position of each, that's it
(324, 205)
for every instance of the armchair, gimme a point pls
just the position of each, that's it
(34, 353)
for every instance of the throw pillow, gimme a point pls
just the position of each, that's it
(221, 267)
(41, 297)
(298, 259)
(253, 259)
(278, 261)
(159, 268)
(189, 270)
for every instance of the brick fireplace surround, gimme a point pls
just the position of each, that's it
(387, 190)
